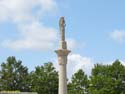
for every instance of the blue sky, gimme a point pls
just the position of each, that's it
(95, 31)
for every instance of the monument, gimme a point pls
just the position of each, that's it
(62, 54)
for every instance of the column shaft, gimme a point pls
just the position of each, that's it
(62, 79)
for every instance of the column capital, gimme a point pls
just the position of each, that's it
(62, 52)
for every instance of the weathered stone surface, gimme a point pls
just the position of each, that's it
(62, 54)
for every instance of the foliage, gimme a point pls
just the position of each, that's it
(78, 84)
(14, 76)
(108, 79)
(105, 79)
(45, 79)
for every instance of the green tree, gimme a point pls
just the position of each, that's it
(45, 79)
(14, 76)
(108, 79)
(78, 84)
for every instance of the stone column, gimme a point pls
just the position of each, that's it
(62, 54)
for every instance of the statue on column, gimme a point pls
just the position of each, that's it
(62, 28)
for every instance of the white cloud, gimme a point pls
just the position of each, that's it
(25, 14)
(76, 62)
(34, 36)
(23, 10)
(123, 62)
(118, 35)
(15, 10)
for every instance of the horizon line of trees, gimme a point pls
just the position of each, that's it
(104, 79)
